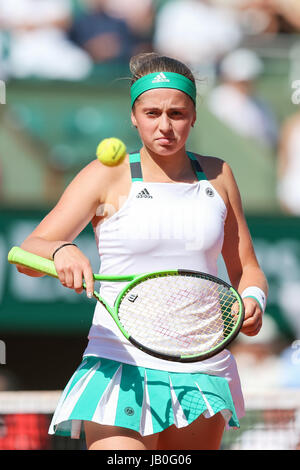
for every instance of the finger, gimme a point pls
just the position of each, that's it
(69, 278)
(61, 276)
(251, 321)
(252, 325)
(89, 281)
(78, 284)
(250, 310)
(252, 331)
(235, 309)
(249, 313)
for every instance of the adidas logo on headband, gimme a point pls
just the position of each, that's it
(160, 78)
(163, 80)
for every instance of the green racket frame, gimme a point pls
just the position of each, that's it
(24, 258)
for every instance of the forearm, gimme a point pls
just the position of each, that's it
(290, 9)
(72, 266)
(41, 247)
(252, 276)
(252, 285)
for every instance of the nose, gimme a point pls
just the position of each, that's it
(164, 123)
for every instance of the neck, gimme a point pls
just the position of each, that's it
(174, 167)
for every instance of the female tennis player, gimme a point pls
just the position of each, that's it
(154, 211)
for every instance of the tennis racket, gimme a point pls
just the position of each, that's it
(177, 315)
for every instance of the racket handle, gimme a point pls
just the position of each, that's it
(43, 265)
(19, 256)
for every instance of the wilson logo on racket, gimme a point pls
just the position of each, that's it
(132, 297)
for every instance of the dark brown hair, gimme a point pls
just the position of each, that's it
(145, 63)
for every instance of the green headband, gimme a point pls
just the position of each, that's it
(163, 80)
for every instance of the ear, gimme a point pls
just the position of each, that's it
(133, 119)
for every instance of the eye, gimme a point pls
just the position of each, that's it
(176, 114)
(152, 113)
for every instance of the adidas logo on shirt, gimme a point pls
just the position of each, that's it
(160, 78)
(144, 193)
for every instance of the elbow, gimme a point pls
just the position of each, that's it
(29, 272)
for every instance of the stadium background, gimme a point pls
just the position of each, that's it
(49, 129)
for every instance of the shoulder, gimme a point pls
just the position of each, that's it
(96, 169)
(219, 173)
(214, 167)
(99, 178)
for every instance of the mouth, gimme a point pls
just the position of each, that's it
(165, 140)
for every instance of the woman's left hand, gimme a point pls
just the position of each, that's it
(253, 317)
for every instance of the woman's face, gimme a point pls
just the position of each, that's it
(164, 117)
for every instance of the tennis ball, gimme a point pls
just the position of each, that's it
(111, 151)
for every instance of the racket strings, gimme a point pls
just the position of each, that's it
(178, 315)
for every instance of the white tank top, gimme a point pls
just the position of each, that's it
(160, 226)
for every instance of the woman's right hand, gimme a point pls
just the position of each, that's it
(73, 267)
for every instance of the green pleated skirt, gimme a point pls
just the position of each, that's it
(145, 400)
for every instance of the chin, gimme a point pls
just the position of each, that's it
(167, 149)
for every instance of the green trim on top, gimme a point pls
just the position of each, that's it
(196, 166)
(136, 168)
(134, 157)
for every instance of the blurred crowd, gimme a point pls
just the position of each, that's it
(64, 38)
(68, 39)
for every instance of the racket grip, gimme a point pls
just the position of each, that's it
(19, 256)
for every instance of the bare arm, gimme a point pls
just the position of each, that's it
(73, 212)
(289, 9)
(239, 256)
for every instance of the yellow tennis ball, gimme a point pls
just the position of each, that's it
(111, 151)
